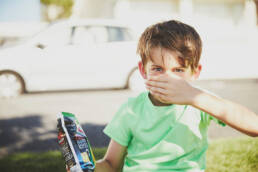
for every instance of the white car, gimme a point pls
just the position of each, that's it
(69, 55)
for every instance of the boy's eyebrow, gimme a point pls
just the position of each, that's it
(153, 65)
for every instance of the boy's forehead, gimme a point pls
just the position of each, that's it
(164, 57)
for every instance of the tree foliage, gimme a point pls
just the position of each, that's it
(65, 4)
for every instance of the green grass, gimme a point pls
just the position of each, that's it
(231, 155)
(237, 155)
(51, 161)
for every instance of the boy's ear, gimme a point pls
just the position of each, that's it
(141, 69)
(197, 72)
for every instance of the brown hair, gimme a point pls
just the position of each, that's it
(172, 35)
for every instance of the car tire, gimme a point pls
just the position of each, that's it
(135, 81)
(11, 84)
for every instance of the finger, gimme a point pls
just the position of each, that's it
(67, 168)
(160, 96)
(156, 84)
(159, 78)
(158, 90)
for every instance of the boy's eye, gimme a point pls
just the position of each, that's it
(157, 69)
(179, 70)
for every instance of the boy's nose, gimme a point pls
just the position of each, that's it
(168, 72)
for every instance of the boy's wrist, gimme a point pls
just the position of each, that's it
(194, 96)
(208, 103)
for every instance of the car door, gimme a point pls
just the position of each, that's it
(50, 70)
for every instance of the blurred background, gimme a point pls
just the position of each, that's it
(79, 56)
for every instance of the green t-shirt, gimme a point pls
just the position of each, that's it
(161, 138)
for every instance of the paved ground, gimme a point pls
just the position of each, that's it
(28, 122)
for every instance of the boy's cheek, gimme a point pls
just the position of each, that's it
(149, 74)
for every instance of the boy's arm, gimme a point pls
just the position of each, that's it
(174, 90)
(113, 160)
(233, 114)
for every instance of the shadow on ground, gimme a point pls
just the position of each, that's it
(28, 134)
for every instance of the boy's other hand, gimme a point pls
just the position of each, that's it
(171, 89)
(67, 169)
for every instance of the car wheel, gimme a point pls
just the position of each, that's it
(11, 84)
(136, 82)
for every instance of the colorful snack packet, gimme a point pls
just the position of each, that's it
(74, 144)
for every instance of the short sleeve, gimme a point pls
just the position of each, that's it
(207, 119)
(119, 127)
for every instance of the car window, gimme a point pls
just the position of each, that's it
(89, 35)
(82, 36)
(99, 33)
(118, 34)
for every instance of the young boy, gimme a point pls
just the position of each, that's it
(165, 128)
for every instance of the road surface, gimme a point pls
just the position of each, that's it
(28, 122)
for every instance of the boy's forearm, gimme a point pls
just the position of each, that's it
(231, 113)
(103, 166)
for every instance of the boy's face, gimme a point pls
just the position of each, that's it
(165, 61)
